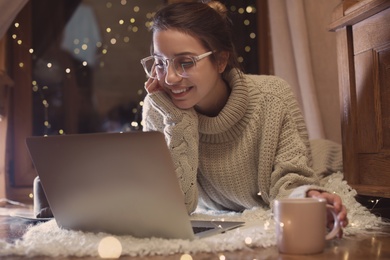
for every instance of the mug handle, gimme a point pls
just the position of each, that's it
(336, 226)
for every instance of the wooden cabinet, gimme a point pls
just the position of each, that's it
(363, 45)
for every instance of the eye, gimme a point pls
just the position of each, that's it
(159, 63)
(184, 62)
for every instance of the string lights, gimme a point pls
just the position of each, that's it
(92, 51)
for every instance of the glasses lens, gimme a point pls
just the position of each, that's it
(160, 67)
(183, 65)
(148, 64)
(155, 67)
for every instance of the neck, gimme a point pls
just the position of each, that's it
(216, 100)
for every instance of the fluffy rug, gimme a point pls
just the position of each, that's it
(46, 239)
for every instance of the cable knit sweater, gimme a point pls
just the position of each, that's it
(254, 151)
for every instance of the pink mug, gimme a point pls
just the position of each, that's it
(301, 225)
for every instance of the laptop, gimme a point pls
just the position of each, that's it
(119, 183)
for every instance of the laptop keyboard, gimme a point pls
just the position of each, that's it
(200, 229)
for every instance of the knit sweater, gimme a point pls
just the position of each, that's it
(254, 151)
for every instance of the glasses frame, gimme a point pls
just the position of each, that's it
(172, 61)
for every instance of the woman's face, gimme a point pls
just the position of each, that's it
(202, 88)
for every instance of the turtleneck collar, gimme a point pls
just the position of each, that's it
(231, 120)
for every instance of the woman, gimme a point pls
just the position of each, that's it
(237, 141)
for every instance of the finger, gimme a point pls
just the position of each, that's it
(147, 84)
(342, 216)
(334, 200)
(151, 85)
(341, 232)
(331, 199)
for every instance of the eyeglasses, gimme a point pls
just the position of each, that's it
(183, 65)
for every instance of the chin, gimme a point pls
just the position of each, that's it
(183, 105)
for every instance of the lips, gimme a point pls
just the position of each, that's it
(179, 91)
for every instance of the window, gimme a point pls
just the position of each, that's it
(76, 67)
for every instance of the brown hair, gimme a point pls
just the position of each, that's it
(208, 22)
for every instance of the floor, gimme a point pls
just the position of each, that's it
(378, 206)
(361, 247)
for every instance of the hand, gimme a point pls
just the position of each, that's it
(335, 201)
(152, 85)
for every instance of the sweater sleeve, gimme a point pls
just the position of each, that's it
(291, 174)
(180, 128)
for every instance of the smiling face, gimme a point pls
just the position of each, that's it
(204, 88)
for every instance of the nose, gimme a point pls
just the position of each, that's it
(171, 76)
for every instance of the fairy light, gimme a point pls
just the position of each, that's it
(148, 16)
(185, 257)
(267, 225)
(250, 9)
(248, 241)
(110, 247)
(245, 14)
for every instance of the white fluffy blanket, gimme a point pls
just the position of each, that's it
(46, 239)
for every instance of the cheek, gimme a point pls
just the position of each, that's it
(207, 73)
(209, 77)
